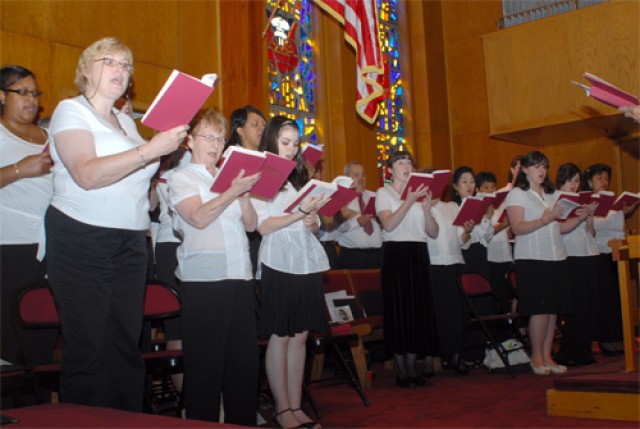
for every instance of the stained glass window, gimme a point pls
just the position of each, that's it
(291, 67)
(390, 132)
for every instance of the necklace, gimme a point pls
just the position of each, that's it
(113, 116)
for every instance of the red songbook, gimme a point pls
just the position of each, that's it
(340, 195)
(569, 202)
(603, 91)
(370, 208)
(179, 100)
(605, 201)
(499, 198)
(312, 153)
(436, 182)
(473, 208)
(625, 198)
(274, 170)
(46, 148)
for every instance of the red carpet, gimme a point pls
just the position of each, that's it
(480, 399)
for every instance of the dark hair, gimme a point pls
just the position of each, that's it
(566, 172)
(457, 174)
(485, 176)
(398, 155)
(514, 161)
(238, 119)
(11, 74)
(269, 143)
(529, 160)
(592, 171)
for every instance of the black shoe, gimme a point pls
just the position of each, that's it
(461, 368)
(419, 381)
(406, 383)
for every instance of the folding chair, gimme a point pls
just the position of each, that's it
(161, 302)
(34, 308)
(341, 338)
(473, 286)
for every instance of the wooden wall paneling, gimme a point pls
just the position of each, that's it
(34, 54)
(150, 28)
(470, 19)
(243, 54)
(199, 45)
(30, 18)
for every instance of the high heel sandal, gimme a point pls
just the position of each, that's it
(286, 410)
(311, 424)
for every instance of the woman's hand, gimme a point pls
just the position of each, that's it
(550, 215)
(34, 165)
(164, 143)
(468, 226)
(582, 213)
(315, 203)
(241, 185)
(364, 219)
(419, 192)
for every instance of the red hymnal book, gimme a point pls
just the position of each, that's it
(473, 208)
(340, 195)
(436, 182)
(312, 153)
(274, 170)
(603, 91)
(605, 201)
(625, 198)
(179, 100)
(370, 208)
(499, 198)
(569, 202)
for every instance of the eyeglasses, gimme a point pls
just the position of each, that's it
(214, 139)
(23, 92)
(110, 62)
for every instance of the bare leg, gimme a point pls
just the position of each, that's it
(538, 326)
(276, 365)
(548, 340)
(296, 354)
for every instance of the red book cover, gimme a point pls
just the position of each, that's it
(339, 199)
(603, 91)
(274, 173)
(436, 182)
(370, 208)
(235, 159)
(312, 153)
(625, 198)
(178, 101)
(472, 208)
(499, 198)
(605, 199)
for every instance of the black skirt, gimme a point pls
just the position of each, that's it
(291, 303)
(543, 287)
(608, 328)
(450, 308)
(409, 325)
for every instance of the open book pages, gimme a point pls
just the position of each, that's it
(569, 202)
(339, 190)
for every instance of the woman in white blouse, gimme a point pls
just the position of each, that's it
(292, 261)
(26, 188)
(214, 269)
(409, 322)
(582, 266)
(610, 227)
(539, 253)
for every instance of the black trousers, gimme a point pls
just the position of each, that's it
(220, 346)
(358, 259)
(98, 280)
(608, 327)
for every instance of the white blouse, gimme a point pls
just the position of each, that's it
(499, 248)
(544, 243)
(352, 233)
(411, 228)
(580, 242)
(220, 251)
(22, 203)
(292, 249)
(122, 205)
(608, 228)
(445, 249)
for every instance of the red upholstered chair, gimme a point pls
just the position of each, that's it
(473, 286)
(161, 302)
(366, 286)
(35, 309)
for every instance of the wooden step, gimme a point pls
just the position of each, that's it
(593, 405)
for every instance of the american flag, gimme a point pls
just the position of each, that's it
(360, 20)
